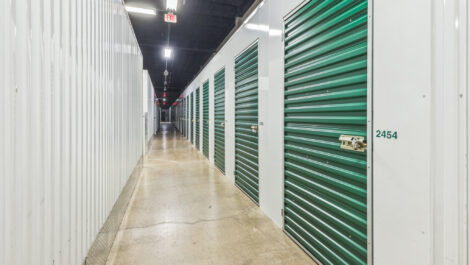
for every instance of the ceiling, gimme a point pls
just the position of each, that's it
(202, 26)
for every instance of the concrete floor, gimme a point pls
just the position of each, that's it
(184, 211)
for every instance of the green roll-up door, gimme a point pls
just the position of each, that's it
(180, 117)
(246, 121)
(219, 119)
(325, 206)
(184, 117)
(192, 117)
(205, 119)
(188, 118)
(198, 119)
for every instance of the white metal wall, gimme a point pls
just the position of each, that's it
(149, 106)
(70, 130)
(158, 110)
(420, 183)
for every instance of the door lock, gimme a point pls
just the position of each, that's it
(354, 143)
(254, 128)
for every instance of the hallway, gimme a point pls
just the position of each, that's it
(184, 211)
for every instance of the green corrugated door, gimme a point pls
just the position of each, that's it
(198, 119)
(184, 117)
(188, 118)
(192, 117)
(205, 119)
(219, 120)
(326, 97)
(246, 121)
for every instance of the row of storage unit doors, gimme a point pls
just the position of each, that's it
(325, 128)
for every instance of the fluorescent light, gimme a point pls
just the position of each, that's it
(171, 4)
(275, 32)
(138, 10)
(258, 27)
(167, 53)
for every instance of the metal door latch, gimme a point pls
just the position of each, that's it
(254, 128)
(354, 143)
(222, 124)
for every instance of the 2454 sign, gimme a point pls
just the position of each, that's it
(386, 134)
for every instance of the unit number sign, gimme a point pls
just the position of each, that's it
(386, 134)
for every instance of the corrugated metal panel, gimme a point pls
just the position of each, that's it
(325, 97)
(193, 122)
(246, 119)
(188, 120)
(173, 118)
(157, 118)
(205, 119)
(184, 117)
(178, 114)
(71, 124)
(181, 116)
(149, 106)
(219, 120)
(198, 119)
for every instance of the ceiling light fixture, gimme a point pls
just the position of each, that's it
(258, 27)
(139, 10)
(167, 53)
(171, 4)
(275, 32)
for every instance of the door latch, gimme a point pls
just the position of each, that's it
(222, 124)
(354, 143)
(254, 128)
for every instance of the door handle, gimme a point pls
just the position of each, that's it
(254, 128)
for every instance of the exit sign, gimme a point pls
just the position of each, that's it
(170, 18)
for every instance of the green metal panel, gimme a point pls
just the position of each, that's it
(198, 119)
(219, 119)
(246, 116)
(184, 117)
(192, 118)
(188, 118)
(325, 187)
(205, 119)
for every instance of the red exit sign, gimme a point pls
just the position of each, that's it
(170, 18)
